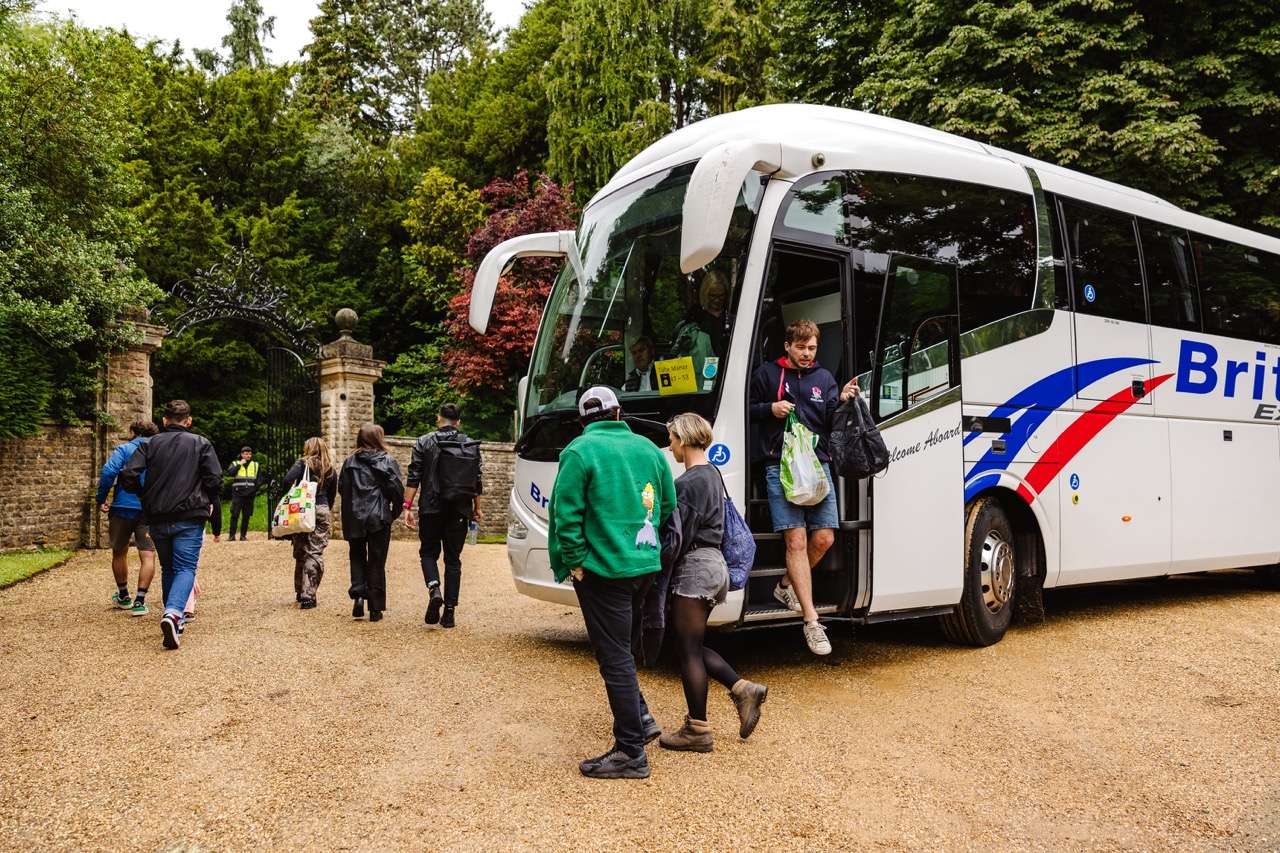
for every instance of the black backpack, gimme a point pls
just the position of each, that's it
(855, 445)
(457, 467)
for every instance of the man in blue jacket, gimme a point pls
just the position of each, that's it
(125, 522)
(797, 383)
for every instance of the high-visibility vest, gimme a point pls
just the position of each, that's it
(246, 474)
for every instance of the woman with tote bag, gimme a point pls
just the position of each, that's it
(308, 548)
(372, 496)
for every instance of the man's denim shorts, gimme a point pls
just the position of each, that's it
(788, 516)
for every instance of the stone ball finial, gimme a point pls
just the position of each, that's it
(346, 320)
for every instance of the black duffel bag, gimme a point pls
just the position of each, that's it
(856, 448)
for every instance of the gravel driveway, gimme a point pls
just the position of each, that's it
(1140, 716)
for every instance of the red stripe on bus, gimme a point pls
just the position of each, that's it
(1079, 433)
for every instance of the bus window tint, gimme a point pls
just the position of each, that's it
(989, 234)
(815, 212)
(1170, 289)
(1239, 290)
(1105, 271)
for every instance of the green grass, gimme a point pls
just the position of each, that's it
(257, 521)
(20, 565)
(491, 540)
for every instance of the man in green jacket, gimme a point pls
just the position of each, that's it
(611, 495)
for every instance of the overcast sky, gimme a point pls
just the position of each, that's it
(204, 23)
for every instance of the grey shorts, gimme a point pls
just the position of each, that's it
(702, 574)
(120, 530)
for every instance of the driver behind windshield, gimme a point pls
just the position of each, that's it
(642, 377)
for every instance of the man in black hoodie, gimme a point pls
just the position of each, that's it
(177, 479)
(795, 382)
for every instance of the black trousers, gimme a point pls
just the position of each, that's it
(447, 531)
(369, 568)
(612, 610)
(241, 509)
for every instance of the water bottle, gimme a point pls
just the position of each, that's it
(473, 532)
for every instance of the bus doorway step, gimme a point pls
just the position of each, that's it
(775, 613)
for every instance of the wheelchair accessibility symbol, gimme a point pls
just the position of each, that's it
(718, 454)
(1075, 481)
(1090, 293)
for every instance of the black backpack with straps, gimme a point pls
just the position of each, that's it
(457, 467)
(855, 445)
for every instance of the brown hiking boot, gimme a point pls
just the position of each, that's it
(693, 736)
(747, 698)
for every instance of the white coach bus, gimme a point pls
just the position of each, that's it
(1077, 381)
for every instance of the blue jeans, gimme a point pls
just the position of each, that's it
(178, 547)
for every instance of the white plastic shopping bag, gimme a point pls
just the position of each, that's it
(803, 481)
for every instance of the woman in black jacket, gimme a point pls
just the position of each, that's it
(699, 581)
(372, 495)
(308, 548)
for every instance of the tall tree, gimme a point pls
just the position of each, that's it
(488, 115)
(371, 59)
(68, 233)
(1179, 99)
(627, 72)
(250, 26)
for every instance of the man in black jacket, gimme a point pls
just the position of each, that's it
(177, 476)
(450, 500)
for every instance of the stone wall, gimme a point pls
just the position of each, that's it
(497, 465)
(46, 488)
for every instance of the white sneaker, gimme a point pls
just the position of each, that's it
(786, 596)
(816, 636)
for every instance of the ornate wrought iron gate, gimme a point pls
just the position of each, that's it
(293, 414)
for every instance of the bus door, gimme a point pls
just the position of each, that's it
(1115, 481)
(803, 282)
(918, 501)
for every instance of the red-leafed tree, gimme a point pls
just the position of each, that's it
(495, 361)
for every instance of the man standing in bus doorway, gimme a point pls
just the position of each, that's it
(446, 465)
(797, 383)
(612, 494)
(246, 476)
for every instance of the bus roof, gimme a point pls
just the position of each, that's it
(922, 150)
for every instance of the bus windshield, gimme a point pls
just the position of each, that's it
(637, 324)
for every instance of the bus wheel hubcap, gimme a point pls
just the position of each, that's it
(997, 572)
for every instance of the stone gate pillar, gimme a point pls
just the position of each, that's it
(347, 372)
(128, 381)
(126, 397)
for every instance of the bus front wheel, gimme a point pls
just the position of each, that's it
(990, 577)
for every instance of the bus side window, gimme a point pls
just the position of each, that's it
(917, 334)
(1171, 291)
(1239, 289)
(1105, 272)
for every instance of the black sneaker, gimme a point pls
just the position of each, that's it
(434, 605)
(615, 765)
(375, 615)
(446, 621)
(170, 629)
(651, 727)
(357, 609)
(307, 603)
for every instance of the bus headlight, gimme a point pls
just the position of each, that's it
(516, 529)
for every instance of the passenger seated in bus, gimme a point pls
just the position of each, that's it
(796, 382)
(642, 377)
(713, 298)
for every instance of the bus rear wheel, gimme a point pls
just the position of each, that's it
(990, 578)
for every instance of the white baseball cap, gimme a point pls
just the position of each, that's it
(597, 399)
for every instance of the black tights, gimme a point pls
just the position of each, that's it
(689, 619)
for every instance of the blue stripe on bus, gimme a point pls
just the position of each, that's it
(1040, 399)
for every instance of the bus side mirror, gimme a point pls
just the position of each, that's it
(713, 193)
(549, 244)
